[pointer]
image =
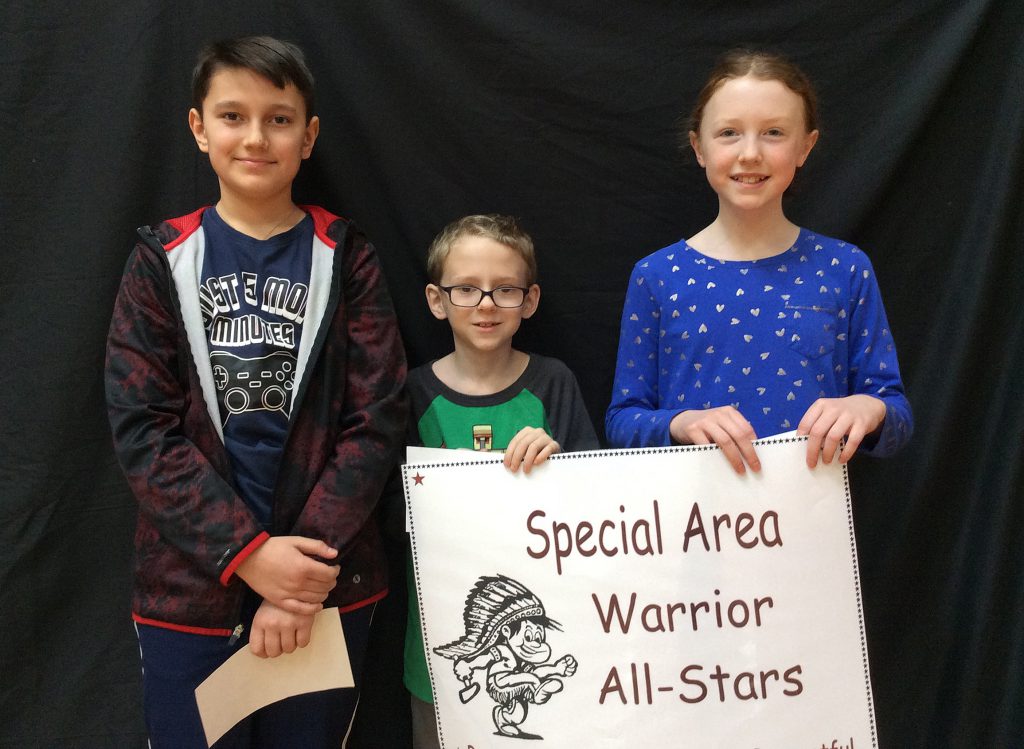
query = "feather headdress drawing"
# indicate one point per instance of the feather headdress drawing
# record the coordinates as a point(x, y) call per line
point(505, 633)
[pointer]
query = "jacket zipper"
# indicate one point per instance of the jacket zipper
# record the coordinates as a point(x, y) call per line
point(334, 299)
point(235, 634)
point(151, 240)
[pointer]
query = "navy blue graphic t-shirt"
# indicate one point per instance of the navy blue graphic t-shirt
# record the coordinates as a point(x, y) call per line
point(253, 296)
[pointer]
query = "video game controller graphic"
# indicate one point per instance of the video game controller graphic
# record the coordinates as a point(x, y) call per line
point(262, 384)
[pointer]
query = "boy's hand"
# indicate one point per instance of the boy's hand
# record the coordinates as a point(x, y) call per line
point(723, 426)
point(530, 447)
point(828, 420)
point(275, 631)
point(283, 571)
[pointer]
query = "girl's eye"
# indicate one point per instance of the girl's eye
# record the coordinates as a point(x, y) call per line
point(728, 133)
point(774, 132)
point(465, 289)
point(281, 120)
point(231, 116)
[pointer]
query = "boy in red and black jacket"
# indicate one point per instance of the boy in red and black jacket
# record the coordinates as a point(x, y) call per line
point(254, 386)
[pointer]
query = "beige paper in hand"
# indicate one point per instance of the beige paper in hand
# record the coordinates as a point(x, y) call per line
point(245, 683)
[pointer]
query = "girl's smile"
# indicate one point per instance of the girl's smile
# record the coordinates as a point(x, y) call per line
point(750, 122)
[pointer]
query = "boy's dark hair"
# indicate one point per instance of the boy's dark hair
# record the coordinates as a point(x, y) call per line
point(279, 62)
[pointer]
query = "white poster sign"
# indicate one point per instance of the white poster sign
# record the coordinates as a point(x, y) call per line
point(642, 598)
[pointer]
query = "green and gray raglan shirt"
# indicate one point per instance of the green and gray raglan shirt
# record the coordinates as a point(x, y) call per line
point(546, 395)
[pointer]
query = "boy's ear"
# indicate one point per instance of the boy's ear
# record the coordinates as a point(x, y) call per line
point(531, 302)
point(195, 124)
point(435, 302)
point(309, 137)
point(695, 145)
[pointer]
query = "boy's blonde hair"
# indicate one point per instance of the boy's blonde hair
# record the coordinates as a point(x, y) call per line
point(502, 229)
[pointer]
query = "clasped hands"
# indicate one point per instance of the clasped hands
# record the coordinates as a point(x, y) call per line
point(293, 585)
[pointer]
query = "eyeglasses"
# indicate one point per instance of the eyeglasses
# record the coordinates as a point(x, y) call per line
point(507, 297)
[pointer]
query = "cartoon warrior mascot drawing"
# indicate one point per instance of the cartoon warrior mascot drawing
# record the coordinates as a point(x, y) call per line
point(506, 631)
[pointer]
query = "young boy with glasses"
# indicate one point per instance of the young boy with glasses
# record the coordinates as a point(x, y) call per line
point(486, 395)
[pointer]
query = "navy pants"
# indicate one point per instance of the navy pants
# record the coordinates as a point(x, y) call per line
point(175, 663)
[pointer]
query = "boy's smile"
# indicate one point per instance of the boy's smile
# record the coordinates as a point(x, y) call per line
point(528, 643)
point(255, 133)
point(486, 264)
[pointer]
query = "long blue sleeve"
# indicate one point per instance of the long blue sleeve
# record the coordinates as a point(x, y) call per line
point(636, 416)
point(873, 367)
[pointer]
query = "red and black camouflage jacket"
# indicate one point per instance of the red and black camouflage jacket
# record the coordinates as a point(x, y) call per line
point(346, 427)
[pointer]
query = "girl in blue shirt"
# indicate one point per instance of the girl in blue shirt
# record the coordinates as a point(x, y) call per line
point(754, 325)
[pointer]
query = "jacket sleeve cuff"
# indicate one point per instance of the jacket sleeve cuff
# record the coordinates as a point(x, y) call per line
point(241, 556)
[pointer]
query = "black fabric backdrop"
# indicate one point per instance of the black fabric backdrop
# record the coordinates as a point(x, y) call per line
point(562, 114)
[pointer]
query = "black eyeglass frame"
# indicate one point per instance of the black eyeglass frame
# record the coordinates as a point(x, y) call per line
point(448, 290)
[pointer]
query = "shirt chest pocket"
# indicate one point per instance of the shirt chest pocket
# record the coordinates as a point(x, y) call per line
point(811, 329)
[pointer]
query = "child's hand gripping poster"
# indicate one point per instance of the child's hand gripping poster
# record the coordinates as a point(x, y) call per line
point(642, 598)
